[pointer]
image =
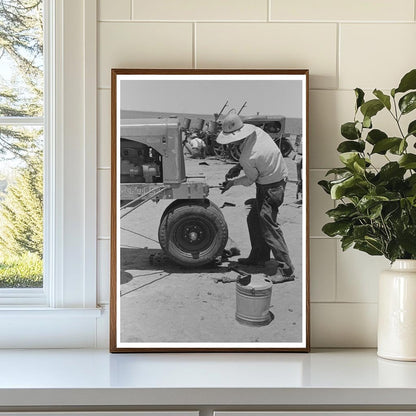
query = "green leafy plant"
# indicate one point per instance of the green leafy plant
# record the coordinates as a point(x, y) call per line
point(376, 210)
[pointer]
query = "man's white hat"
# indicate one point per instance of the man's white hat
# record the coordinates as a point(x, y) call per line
point(233, 129)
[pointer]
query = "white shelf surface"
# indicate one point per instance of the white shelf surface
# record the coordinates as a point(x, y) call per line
point(97, 378)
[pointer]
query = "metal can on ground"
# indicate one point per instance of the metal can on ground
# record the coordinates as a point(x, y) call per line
point(253, 302)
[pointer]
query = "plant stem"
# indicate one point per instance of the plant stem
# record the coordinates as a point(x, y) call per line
point(397, 118)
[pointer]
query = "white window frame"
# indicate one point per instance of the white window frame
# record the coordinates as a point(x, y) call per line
point(64, 313)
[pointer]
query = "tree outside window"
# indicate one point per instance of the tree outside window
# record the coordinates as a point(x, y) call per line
point(21, 143)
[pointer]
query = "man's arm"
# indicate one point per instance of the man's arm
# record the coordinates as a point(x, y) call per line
point(243, 180)
point(250, 174)
point(233, 172)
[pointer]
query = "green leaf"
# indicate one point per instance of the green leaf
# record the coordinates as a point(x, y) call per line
point(408, 102)
point(367, 122)
point(348, 158)
point(375, 212)
point(359, 95)
point(385, 99)
point(346, 242)
point(333, 229)
point(342, 211)
point(350, 186)
point(375, 136)
point(391, 170)
point(407, 240)
point(371, 108)
point(349, 131)
point(385, 144)
point(349, 146)
point(325, 186)
point(338, 171)
point(369, 201)
point(411, 130)
point(411, 180)
point(359, 165)
point(398, 149)
point(368, 248)
point(408, 161)
point(338, 188)
point(361, 231)
point(408, 82)
point(393, 250)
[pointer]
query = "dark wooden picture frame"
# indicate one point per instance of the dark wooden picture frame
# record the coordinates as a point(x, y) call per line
point(176, 285)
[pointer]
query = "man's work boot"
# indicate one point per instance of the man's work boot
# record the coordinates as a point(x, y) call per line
point(250, 261)
point(278, 277)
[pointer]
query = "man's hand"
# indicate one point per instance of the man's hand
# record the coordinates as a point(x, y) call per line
point(225, 186)
point(233, 172)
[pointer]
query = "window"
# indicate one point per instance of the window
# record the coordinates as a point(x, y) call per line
point(21, 143)
point(63, 313)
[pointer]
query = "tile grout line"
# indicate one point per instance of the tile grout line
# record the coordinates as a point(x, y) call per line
point(345, 302)
point(338, 63)
point(336, 272)
point(310, 89)
point(194, 62)
point(269, 11)
point(323, 237)
point(131, 9)
point(307, 22)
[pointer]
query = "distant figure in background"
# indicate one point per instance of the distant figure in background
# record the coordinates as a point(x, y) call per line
point(297, 157)
point(198, 147)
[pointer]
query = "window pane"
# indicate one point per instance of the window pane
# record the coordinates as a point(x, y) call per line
point(21, 58)
point(21, 210)
point(21, 146)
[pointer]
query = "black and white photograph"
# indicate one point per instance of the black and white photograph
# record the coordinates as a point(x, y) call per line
point(209, 211)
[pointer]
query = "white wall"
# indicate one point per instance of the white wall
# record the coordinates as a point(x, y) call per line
point(345, 44)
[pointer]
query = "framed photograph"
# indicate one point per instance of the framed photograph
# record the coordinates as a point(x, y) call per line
point(209, 215)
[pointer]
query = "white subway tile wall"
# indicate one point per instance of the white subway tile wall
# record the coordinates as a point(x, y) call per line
point(114, 10)
point(365, 48)
point(270, 45)
point(345, 44)
point(144, 45)
point(104, 128)
point(343, 325)
point(201, 10)
point(103, 270)
point(322, 269)
point(352, 10)
point(357, 276)
point(104, 202)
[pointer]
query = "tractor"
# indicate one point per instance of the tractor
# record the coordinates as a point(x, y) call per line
point(273, 125)
point(192, 230)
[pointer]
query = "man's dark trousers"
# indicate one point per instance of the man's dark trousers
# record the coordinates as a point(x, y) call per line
point(265, 232)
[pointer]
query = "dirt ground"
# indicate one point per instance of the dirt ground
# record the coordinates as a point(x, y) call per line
point(163, 302)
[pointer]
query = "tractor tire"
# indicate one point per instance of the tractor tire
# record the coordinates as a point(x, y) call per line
point(219, 150)
point(193, 233)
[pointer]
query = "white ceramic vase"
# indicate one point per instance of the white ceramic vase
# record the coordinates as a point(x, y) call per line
point(397, 312)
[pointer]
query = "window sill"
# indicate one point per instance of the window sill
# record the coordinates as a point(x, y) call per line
point(36, 312)
point(40, 327)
